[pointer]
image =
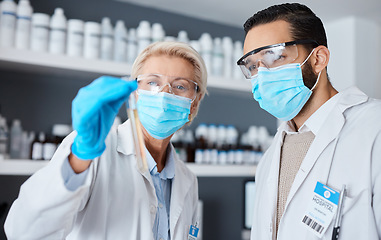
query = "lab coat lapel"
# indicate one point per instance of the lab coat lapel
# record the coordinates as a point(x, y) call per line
point(181, 184)
point(273, 176)
point(327, 135)
point(125, 146)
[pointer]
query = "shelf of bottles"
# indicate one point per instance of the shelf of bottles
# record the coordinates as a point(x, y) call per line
point(41, 42)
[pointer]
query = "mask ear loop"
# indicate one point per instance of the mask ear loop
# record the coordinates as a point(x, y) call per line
point(317, 80)
point(307, 57)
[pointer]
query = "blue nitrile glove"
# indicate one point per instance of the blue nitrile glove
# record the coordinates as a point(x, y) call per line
point(93, 112)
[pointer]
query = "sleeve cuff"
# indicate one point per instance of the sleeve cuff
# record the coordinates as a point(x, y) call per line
point(71, 179)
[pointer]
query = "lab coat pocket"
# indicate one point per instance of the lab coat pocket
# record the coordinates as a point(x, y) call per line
point(349, 202)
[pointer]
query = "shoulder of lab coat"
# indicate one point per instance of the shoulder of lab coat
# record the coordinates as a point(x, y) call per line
point(45, 192)
point(361, 117)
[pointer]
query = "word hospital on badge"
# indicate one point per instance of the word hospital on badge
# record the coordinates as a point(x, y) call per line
point(321, 209)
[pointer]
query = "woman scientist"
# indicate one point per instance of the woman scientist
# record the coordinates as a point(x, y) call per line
point(90, 191)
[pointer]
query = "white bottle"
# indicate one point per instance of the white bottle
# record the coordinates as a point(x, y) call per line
point(120, 42)
point(8, 23)
point(91, 40)
point(132, 46)
point(170, 39)
point(107, 39)
point(74, 46)
point(237, 54)
point(218, 58)
point(158, 33)
point(183, 36)
point(195, 44)
point(16, 139)
point(37, 147)
point(144, 35)
point(4, 138)
point(39, 34)
point(227, 46)
point(207, 50)
point(27, 140)
point(57, 39)
point(24, 20)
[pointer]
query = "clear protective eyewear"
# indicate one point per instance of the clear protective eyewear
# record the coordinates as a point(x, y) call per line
point(270, 56)
point(177, 85)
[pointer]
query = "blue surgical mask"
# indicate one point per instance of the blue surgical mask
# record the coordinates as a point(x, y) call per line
point(281, 90)
point(162, 114)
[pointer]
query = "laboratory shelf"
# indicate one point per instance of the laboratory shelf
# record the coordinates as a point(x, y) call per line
point(28, 167)
point(214, 170)
point(40, 62)
point(20, 166)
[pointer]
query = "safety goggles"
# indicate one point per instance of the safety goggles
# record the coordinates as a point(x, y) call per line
point(177, 85)
point(270, 56)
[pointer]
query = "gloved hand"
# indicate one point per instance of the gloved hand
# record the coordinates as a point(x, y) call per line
point(93, 112)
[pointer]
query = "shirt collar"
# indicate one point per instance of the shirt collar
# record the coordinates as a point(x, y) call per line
point(168, 171)
point(316, 120)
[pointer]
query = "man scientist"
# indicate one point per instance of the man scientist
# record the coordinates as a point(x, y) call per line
point(327, 152)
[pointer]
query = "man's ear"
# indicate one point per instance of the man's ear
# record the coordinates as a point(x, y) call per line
point(321, 59)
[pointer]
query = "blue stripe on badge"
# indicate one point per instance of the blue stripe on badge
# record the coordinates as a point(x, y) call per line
point(327, 193)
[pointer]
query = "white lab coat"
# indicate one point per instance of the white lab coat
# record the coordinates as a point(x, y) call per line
point(350, 140)
point(117, 201)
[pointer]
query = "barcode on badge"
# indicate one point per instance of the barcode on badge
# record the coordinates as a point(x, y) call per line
point(312, 224)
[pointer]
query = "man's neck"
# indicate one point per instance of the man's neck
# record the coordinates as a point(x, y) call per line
point(317, 99)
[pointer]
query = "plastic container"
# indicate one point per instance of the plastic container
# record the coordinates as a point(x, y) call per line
point(132, 46)
point(107, 39)
point(183, 36)
point(158, 33)
point(60, 131)
point(120, 42)
point(227, 46)
point(23, 24)
point(74, 38)
point(237, 54)
point(218, 58)
point(39, 34)
point(144, 35)
point(15, 139)
point(4, 138)
point(57, 39)
point(37, 147)
point(206, 43)
point(7, 23)
point(196, 45)
point(92, 32)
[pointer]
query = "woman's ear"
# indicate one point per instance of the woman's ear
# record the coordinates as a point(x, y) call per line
point(321, 59)
point(195, 104)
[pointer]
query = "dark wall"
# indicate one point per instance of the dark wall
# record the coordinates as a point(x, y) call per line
point(40, 100)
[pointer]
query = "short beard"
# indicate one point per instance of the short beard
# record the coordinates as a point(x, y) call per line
point(309, 80)
point(309, 77)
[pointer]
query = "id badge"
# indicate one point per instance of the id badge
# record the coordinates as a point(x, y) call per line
point(193, 232)
point(321, 209)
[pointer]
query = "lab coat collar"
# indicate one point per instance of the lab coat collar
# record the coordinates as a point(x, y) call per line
point(124, 133)
point(326, 135)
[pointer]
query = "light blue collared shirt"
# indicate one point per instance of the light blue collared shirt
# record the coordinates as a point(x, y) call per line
point(162, 182)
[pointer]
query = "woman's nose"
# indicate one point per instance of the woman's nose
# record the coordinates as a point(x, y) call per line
point(167, 88)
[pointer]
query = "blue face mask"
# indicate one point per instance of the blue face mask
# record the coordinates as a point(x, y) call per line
point(162, 114)
point(281, 90)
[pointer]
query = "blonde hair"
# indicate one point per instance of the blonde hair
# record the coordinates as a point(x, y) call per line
point(175, 49)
